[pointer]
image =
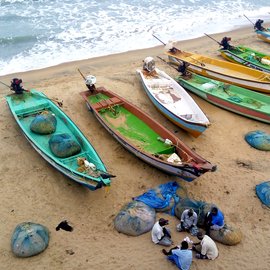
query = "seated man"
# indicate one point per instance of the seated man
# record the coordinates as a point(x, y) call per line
point(214, 220)
point(188, 222)
point(181, 257)
point(225, 43)
point(258, 25)
point(207, 249)
point(183, 69)
point(161, 235)
point(16, 86)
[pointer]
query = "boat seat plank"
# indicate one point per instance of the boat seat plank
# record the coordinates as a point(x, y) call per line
point(107, 103)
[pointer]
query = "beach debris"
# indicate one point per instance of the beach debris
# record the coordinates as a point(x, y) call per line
point(64, 226)
point(258, 139)
point(63, 145)
point(135, 218)
point(29, 239)
point(263, 192)
point(44, 123)
point(70, 251)
point(245, 164)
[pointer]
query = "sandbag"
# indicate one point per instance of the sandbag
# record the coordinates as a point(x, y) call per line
point(227, 235)
point(29, 239)
point(44, 123)
point(162, 198)
point(135, 218)
point(200, 207)
point(258, 139)
point(63, 145)
point(263, 192)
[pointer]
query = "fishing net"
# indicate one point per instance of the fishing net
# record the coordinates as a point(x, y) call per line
point(44, 123)
point(227, 235)
point(29, 239)
point(135, 218)
point(258, 139)
point(63, 145)
point(263, 192)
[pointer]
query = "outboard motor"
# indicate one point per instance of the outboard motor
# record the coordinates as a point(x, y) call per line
point(16, 86)
point(149, 64)
point(90, 82)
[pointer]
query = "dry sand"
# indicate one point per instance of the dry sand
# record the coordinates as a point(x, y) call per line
point(32, 190)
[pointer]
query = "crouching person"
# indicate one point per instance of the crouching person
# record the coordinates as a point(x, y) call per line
point(188, 222)
point(160, 234)
point(206, 249)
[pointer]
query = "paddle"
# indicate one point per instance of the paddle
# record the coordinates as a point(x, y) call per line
point(60, 103)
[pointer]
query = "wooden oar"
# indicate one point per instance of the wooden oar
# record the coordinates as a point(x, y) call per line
point(60, 103)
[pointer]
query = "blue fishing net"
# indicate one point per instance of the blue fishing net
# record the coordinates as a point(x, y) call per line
point(263, 192)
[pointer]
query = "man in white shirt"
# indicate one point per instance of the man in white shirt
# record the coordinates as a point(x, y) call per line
point(188, 222)
point(208, 247)
point(161, 235)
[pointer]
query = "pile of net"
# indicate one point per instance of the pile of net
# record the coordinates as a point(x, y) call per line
point(263, 192)
point(259, 140)
point(29, 239)
point(44, 123)
point(63, 145)
point(135, 218)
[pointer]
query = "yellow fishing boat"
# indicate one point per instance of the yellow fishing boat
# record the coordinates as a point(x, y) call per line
point(222, 70)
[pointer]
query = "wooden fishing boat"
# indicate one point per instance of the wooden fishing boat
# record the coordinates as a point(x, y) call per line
point(222, 70)
point(230, 97)
point(143, 136)
point(173, 101)
point(263, 35)
point(247, 57)
point(26, 107)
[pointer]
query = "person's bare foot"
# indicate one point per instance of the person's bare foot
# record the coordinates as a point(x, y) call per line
point(164, 251)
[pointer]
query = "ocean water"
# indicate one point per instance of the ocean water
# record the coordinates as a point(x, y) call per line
point(40, 33)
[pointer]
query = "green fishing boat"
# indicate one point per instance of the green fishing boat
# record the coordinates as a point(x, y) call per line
point(143, 136)
point(228, 96)
point(57, 139)
point(247, 57)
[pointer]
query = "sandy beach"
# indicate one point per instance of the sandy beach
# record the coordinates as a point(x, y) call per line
point(32, 190)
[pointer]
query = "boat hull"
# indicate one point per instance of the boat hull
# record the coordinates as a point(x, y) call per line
point(232, 57)
point(24, 110)
point(187, 172)
point(224, 71)
point(238, 100)
point(192, 127)
point(265, 36)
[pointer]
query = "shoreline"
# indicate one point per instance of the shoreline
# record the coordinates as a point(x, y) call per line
point(65, 65)
point(34, 191)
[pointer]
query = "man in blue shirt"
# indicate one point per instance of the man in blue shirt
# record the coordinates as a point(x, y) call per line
point(181, 257)
point(214, 220)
